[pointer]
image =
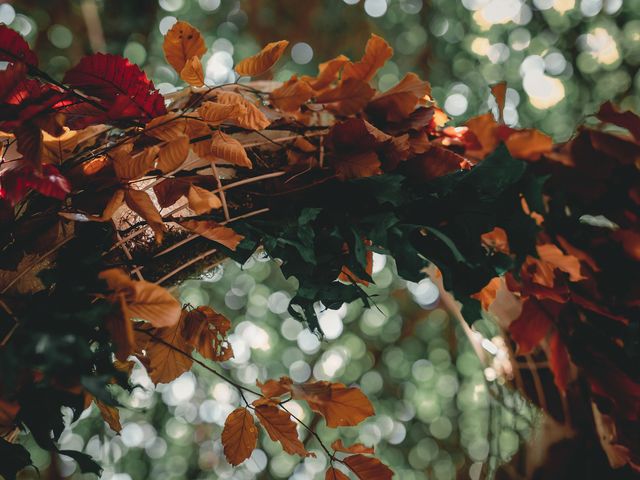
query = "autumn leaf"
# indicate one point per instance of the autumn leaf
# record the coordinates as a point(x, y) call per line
point(140, 202)
point(214, 231)
point(368, 468)
point(173, 153)
point(170, 190)
point(488, 294)
point(567, 263)
point(143, 300)
point(131, 167)
point(376, 54)
point(280, 428)
point(291, 95)
point(247, 114)
point(239, 436)
point(341, 406)
point(499, 92)
point(192, 72)
point(17, 182)
point(15, 48)
point(205, 330)
point(263, 60)
point(531, 326)
point(349, 97)
point(114, 203)
point(56, 149)
point(338, 446)
point(435, 162)
point(215, 113)
point(398, 102)
point(110, 415)
point(202, 201)
point(228, 149)
point(559, 362)
point(496, 240)
point(335, 474)
point(166, 127)
point(611, 114)
point(327, 73)
point(275, 388)
point(181, 43)
point(529, 144)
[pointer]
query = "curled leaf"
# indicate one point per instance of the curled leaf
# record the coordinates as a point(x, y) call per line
point(202, 201)
point(263, 60)
point(214, 231)
point(280, 428)
point(192, 72)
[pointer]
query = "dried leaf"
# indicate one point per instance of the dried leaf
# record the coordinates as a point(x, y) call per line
point(368, 468)
point(110, 415)
point(335, 474)
point(488, 294)
point(357, 165)
point(376, 54)
point(529, 144)
point(263, 60)
point(275, 388)
point(206, 330)
point(166, 127)
point(291, 95)
point(128, 167)
point(173, 153)
point(215, 113)
point(239, 436)
point(499, 92)
point(192, 72)
point(280, 428)
point(181, 43)
point(214, 231)
point(338, 446)
point(202, 201)
point(141, 203)
point(247, 114)
point(327, 73)
point(530, 327)
point(349, 97)
point(567, 263)
point(56, 149)
point(398, 102)
point(230, 150)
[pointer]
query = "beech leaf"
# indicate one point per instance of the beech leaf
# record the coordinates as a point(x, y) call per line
point(229, 150)
point(239, 436)
point(192, 72)
point(263, 60)
point(214, 231)
point(181, 43)
point(173, 153)
point(376, 54)
point(141, 203)
point(368, 468)
point(281, 428)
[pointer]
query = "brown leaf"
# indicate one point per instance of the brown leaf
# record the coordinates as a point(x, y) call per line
point(338, 446)
point(215, 113)
point(169, 191)
point(56, 149)
point(496, 240)
point(128, 167)
point(499, 92)
point(349, 97)
point(166, 127)
point(275, 388)
point(368, 468)
point(110, 415)
point(239, 436)
point(436, 162)
point(484, 127)
point(143, 300)
point(214, 231)
point(376, 54)
point(357, 165)
point(247, 114)
point(327, 73)
point(335, 474)
point(141, 203)
point(120, 328)
point(173, 154)
point(531, 326)
point(181, 43)
point(202, 201)
point(559, 362)
point(280, 428)
point(529, 144)
point(291, 95)
point(341, 406)
point(192, 72)
point(206, 330)
point(567, 263)
point(230, 150)
point(263, 60)
point(398, 102)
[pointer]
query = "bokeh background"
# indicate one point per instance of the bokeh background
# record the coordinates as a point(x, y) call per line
point(440, 414)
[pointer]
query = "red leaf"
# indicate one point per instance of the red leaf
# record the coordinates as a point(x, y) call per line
point(531, 326)
point(113, 79)
point(16, 183)
point(14, 48)
point(559, 362)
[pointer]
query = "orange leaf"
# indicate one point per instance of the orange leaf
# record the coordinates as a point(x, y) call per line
point(496, 240)
point(630, 241)
point(247, 114)
point(109, 414)
point(349, 97)
point(487, 295)
point(205, 330)
point(485, 128)
point(398, 102)
point(181, 43)
point(275, 388)
point(215, 113)
point(529, 144)
point(567, 263)
point(239, 436)
point(327, 73)
point(499, 92)
point(368, 468)
point(214, 231)
point(338, 446)
point(280, 428)
point(531, 326)
point(357, 165)
point(436, 162)
point(291, 95)
point(230, 150)
point(128, 167)
point(192, 72)
point(166, 127)
point(263, 60)
point(141, 203)
point(339, 405)
point(202, 201)
point(376, 54)
point(335, 474)
point(173, 153)
point(559, 362)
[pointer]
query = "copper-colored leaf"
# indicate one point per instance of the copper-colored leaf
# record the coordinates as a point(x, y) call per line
point(349, 97)
point(529, 144)
point(206, 330)
point(202, 201)
point(214, 231)
point(215, 113)
point(166, 127)
point(559, 362)
point(357, 165)
point(192, 72)
point(56, 149)
point(496, 240)
point(141, 203)
point(338, 446)
point(229, 150)
point(239, 436)
point(247, 114)
point(181, 43)
point(531, 326)
point(114, 203)
point(567, 263)
point(263, 60)
point(327, 73)
point(173, 153)
point(110, 415)
point(376, 54)
point(169, 191)
point(341, 406)
point(291, 95)
point(487, 295)
point(275, 388)
point(499, 92)
point(368, 468)
point(280, 428)
point(131, 167)
point(335, 474)
point(398, 102)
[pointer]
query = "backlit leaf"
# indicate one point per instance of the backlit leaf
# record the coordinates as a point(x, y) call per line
point(214, 231)
point(338, 446)
point(280, 428)
point(247, 114)
point(202, 201)
point(398, 102)
point(192, 72)
point(215, 113)
point(291, 95)
point(173, 154)
point(263, 60)
point(239, 436)
point(368, 468)
point(349, 97)
point(229, 150)
point(181, 43)
point(335, 474)
point(376, 54)
point(141, 203)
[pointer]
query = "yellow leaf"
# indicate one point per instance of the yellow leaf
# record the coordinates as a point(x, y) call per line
point(192, 72)
point(247, 115)
point(57, 149)
point(141, 203)
point(376, 54)
point(368, 468)
point(214, 113)
point(239, 436)
point(229, 150)
point(349, 97)
point(173, 154)
point(280, 428)
point(263, 60)
point(291, 95)
point(214, 231)
point(202, 201)
point(398, 102)
point(181, 43)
